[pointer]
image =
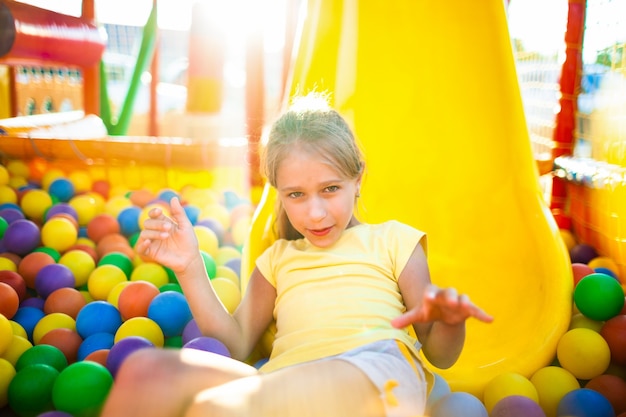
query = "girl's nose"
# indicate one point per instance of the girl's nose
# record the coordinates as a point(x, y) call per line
point(317, 208)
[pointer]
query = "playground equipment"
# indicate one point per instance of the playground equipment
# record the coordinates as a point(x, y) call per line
point(447, 151)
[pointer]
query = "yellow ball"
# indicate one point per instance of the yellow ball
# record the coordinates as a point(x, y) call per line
point(35, 202)
point(49, 176)
point(552, 383)
point(150, 272)
point(584, 353)
point(7, 195)
point(116, 204)
point(568, 238)
point(4, 175)
point(579, 320)
point(604, 262)
point(7, 265)
point(207, 240)
point(114, 295)
point(81, 180)
point(17, 182)
point(7, 372)
point(228, 273)
point(6, 334)
point(215, 211)
point(228, 293)
point(18, 330)
point(50, 322)
point(59, 233)
point(143, 327)
point(86, 241)
point(18, 168)
point(17, 346)
point(507, 384)
point(86, 207)
point(102, 280)
point(80, 263)
point(225, 254)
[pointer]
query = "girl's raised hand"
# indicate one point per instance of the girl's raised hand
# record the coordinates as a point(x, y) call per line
point(444, 305)
point(172, 242)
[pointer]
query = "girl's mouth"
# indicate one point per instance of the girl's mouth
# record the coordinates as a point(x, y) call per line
point(320, 232)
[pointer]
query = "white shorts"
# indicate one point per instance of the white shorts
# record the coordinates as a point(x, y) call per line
point(397, 374)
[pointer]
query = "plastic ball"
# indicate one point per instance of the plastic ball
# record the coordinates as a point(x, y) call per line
point(96, 341)
point(50, 175)
point(11, 214)
point(63, 209)
point(141, 198)
point(86, 207)
point(62, 189)
point(55, 413)
point(585, 402)
point(582, 253)
point(42, 354)
point(580, 320)
point(52, 277)
point(141, 326)
point(31, 264)
point(209, 264)
point(507, 384)
point(80, 263)
point(217, 212)
point(440, 389)
point(458, 404)
point(65, 300)
point(225, 254)
point(584, 353)
point(101, 225)
point(30, 390)
point(150, 272)
point(120, 260)
point(81, 389)
point(66, 340)
point(128, 220)
point(59, 233)
point(235, 265)
point(192, 213)
point(98, 317)
point(7, 264)
point(21, 237)
point(17, 347)
point(208, 344)
point(614, 333)
point(102, 280)
point(7, 194)
point(517, 406)
point(170, 311)
point(120, 351)
point(228, 293)
point(6, 333)
point(568, 238)
point(9, 300)
point(102, 187)
point(50, 322)
point(7, 373)
point(134, 300)
point(613, 388)
point(207, 240)
point(82, 180)
point(99, 356)
point(599, 296)
point(27, 317)
point(3, 226)
point(15, 280)
point(226, 272)
point(552, 383)
point(114, 294)
point(214, 225)
point(34, 203)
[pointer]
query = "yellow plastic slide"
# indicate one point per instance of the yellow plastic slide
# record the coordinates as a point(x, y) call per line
point(431, 90)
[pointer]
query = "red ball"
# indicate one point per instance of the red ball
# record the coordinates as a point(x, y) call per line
point(614, 332)
point(9, 300)
point(135, 298)
point(580, 271)
point(65, 300)
point(99, 356)
point(16, 281)
point(613, 388)
point(31, 264)
point(66, 340)
point(102, 187)
point(102, 225)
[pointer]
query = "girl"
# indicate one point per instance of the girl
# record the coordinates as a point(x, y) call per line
point(341, 292)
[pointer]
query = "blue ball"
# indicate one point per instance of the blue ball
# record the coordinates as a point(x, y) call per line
point(167, 195)
point(28, 317)
point(584, 402)
point(458, 404)
point(128, 219)
point(96, 341)
point(98, 317)
point(62, 189)
point(192, 213)
point(171, 312)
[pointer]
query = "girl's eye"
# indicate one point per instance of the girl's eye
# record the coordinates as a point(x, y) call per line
point(295, 194)
point(331, 188)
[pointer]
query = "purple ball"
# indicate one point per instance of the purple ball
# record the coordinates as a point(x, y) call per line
point(52, 277)
point(22, 237)
point(61, 208)
point(208, 344)
point(36, 302)
point(235, 265)
point(517, 406)
point(582, 253)
point(191, 331)
point(120, 351)
point(55, 413)
point(11, 214)
point(214, 225)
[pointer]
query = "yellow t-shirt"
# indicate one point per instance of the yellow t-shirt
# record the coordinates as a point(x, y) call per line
point(331, 300)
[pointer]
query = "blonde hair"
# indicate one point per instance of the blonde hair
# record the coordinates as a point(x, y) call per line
point(312, 125)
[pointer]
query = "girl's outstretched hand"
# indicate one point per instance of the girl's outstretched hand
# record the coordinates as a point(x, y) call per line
point(443, 305)
point(171, 242)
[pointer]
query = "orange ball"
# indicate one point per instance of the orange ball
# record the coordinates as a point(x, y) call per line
point(102, 187)
point(135, 299)
point(114, 242)
point(9, 300)
point(99, 356)
point(613, 388)
point(16, 281)
point(142, 198)
point(66, 340)
point(31, 264)
point(65, 300)
point(102, 225)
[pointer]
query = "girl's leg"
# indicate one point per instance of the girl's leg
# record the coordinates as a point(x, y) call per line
point(332, 388)
point(162, 382)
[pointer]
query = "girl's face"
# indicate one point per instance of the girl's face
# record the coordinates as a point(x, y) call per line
point(317, 200)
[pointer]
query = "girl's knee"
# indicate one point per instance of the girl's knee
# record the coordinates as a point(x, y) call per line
point(145, 366)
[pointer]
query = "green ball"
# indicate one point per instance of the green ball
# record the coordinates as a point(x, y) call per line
point(3, 226)
point(82, 388)
point(209, 264)
point(50, 251)
point(171, 287)
point(30, 390)
point(599, 296)
point(42, 354)
point(175, 342)
point(120, 260)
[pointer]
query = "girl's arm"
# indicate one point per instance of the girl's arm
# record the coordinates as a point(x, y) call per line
point(172, 242)
point(438, 315)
